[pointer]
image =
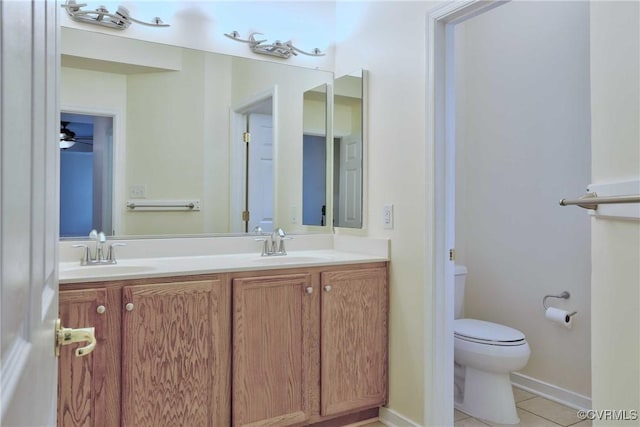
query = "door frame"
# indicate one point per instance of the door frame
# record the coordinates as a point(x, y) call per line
point(440, 196)
point(119, 192)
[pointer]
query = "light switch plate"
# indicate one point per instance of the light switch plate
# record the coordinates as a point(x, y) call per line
point(387, 216)
point(137, 191)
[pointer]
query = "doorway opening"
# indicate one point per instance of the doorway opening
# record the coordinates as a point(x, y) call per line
point(533, 139)
point(86, 175)
point(314, 179)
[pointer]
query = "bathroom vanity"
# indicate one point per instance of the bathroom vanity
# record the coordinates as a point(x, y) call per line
point(279, 342)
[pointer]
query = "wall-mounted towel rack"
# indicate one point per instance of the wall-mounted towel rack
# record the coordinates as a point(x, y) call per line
point(163, 205)
point(592, 200)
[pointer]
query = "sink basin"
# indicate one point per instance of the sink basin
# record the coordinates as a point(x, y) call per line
point(104, 270)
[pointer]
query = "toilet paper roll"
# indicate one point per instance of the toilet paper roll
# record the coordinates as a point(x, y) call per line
point(559, 316)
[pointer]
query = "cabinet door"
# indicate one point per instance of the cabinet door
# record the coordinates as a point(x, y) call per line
point(81, 380)
point(353, 352)
point(271, 357)
point(175, 361)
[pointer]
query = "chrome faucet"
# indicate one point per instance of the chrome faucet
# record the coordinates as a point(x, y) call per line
point(273, 244)
point(97, 257)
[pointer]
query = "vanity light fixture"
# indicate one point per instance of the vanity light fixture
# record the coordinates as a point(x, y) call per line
point(119, 20)
point(277, 48)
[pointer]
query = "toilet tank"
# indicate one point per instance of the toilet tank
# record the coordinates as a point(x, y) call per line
point(460, 278)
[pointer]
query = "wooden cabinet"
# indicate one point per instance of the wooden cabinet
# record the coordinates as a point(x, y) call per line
point(81, 396)
point(164, 359)
point(175, 346)
point(309, 347)
point(300, 346)
point(271, 360)
point(354, 313)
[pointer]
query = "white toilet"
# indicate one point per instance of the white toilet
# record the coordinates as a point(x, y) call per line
point(485, 354)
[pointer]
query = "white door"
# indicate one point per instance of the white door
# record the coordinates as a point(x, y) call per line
point(29, 121)
point(261, 172)
point(350, 189)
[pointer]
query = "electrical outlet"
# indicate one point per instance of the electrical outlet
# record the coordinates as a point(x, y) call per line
point(387, 216)
point(138, 191)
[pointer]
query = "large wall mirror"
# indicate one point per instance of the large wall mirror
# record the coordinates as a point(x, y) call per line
point(164, 126)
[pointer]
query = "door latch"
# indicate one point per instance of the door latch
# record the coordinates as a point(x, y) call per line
point(65, 336)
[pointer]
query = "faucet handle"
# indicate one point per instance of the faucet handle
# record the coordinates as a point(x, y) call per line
point(265, 245)
point(86, 256)
point(93, 234)
point(100, 240)
point(282, 236)
point(111, 256)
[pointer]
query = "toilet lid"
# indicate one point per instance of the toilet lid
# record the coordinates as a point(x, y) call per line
point(488, 332)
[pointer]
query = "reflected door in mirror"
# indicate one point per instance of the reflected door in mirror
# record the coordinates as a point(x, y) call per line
point(348, 112)
point(260, 172)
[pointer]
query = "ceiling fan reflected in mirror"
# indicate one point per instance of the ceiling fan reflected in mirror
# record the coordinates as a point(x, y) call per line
point(67, 137)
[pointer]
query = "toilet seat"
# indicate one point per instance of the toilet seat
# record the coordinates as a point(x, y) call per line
point(487, 333)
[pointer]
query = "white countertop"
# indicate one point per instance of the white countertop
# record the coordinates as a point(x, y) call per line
point(344, 251)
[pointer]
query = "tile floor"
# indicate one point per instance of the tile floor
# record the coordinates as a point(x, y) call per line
point(534, 411)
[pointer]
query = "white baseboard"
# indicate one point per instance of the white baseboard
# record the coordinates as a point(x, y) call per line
point(391, 418)
point(550, 391)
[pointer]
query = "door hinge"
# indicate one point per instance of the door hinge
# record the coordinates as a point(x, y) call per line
point(245, 215)
point(246, 137)
point(452, 254)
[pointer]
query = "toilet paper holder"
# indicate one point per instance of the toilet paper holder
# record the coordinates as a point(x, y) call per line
point(563, 295)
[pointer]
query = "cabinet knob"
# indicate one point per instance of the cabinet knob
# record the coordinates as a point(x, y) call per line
point(101, 309)
point(129, 306)
point(309, 290)
point(328, 288)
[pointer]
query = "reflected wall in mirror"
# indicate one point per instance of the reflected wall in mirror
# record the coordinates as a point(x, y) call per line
point(173, 134)
point(314, 157)
point(348, 113)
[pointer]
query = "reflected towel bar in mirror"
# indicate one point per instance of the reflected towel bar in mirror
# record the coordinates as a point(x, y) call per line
point(164, 205)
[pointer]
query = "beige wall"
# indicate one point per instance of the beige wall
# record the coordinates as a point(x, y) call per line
point(388, 39)
point(615, 249)
point(522, 144)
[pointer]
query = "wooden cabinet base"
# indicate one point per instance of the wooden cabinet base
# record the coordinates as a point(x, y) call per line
point(296, 347)
point(345, 420)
